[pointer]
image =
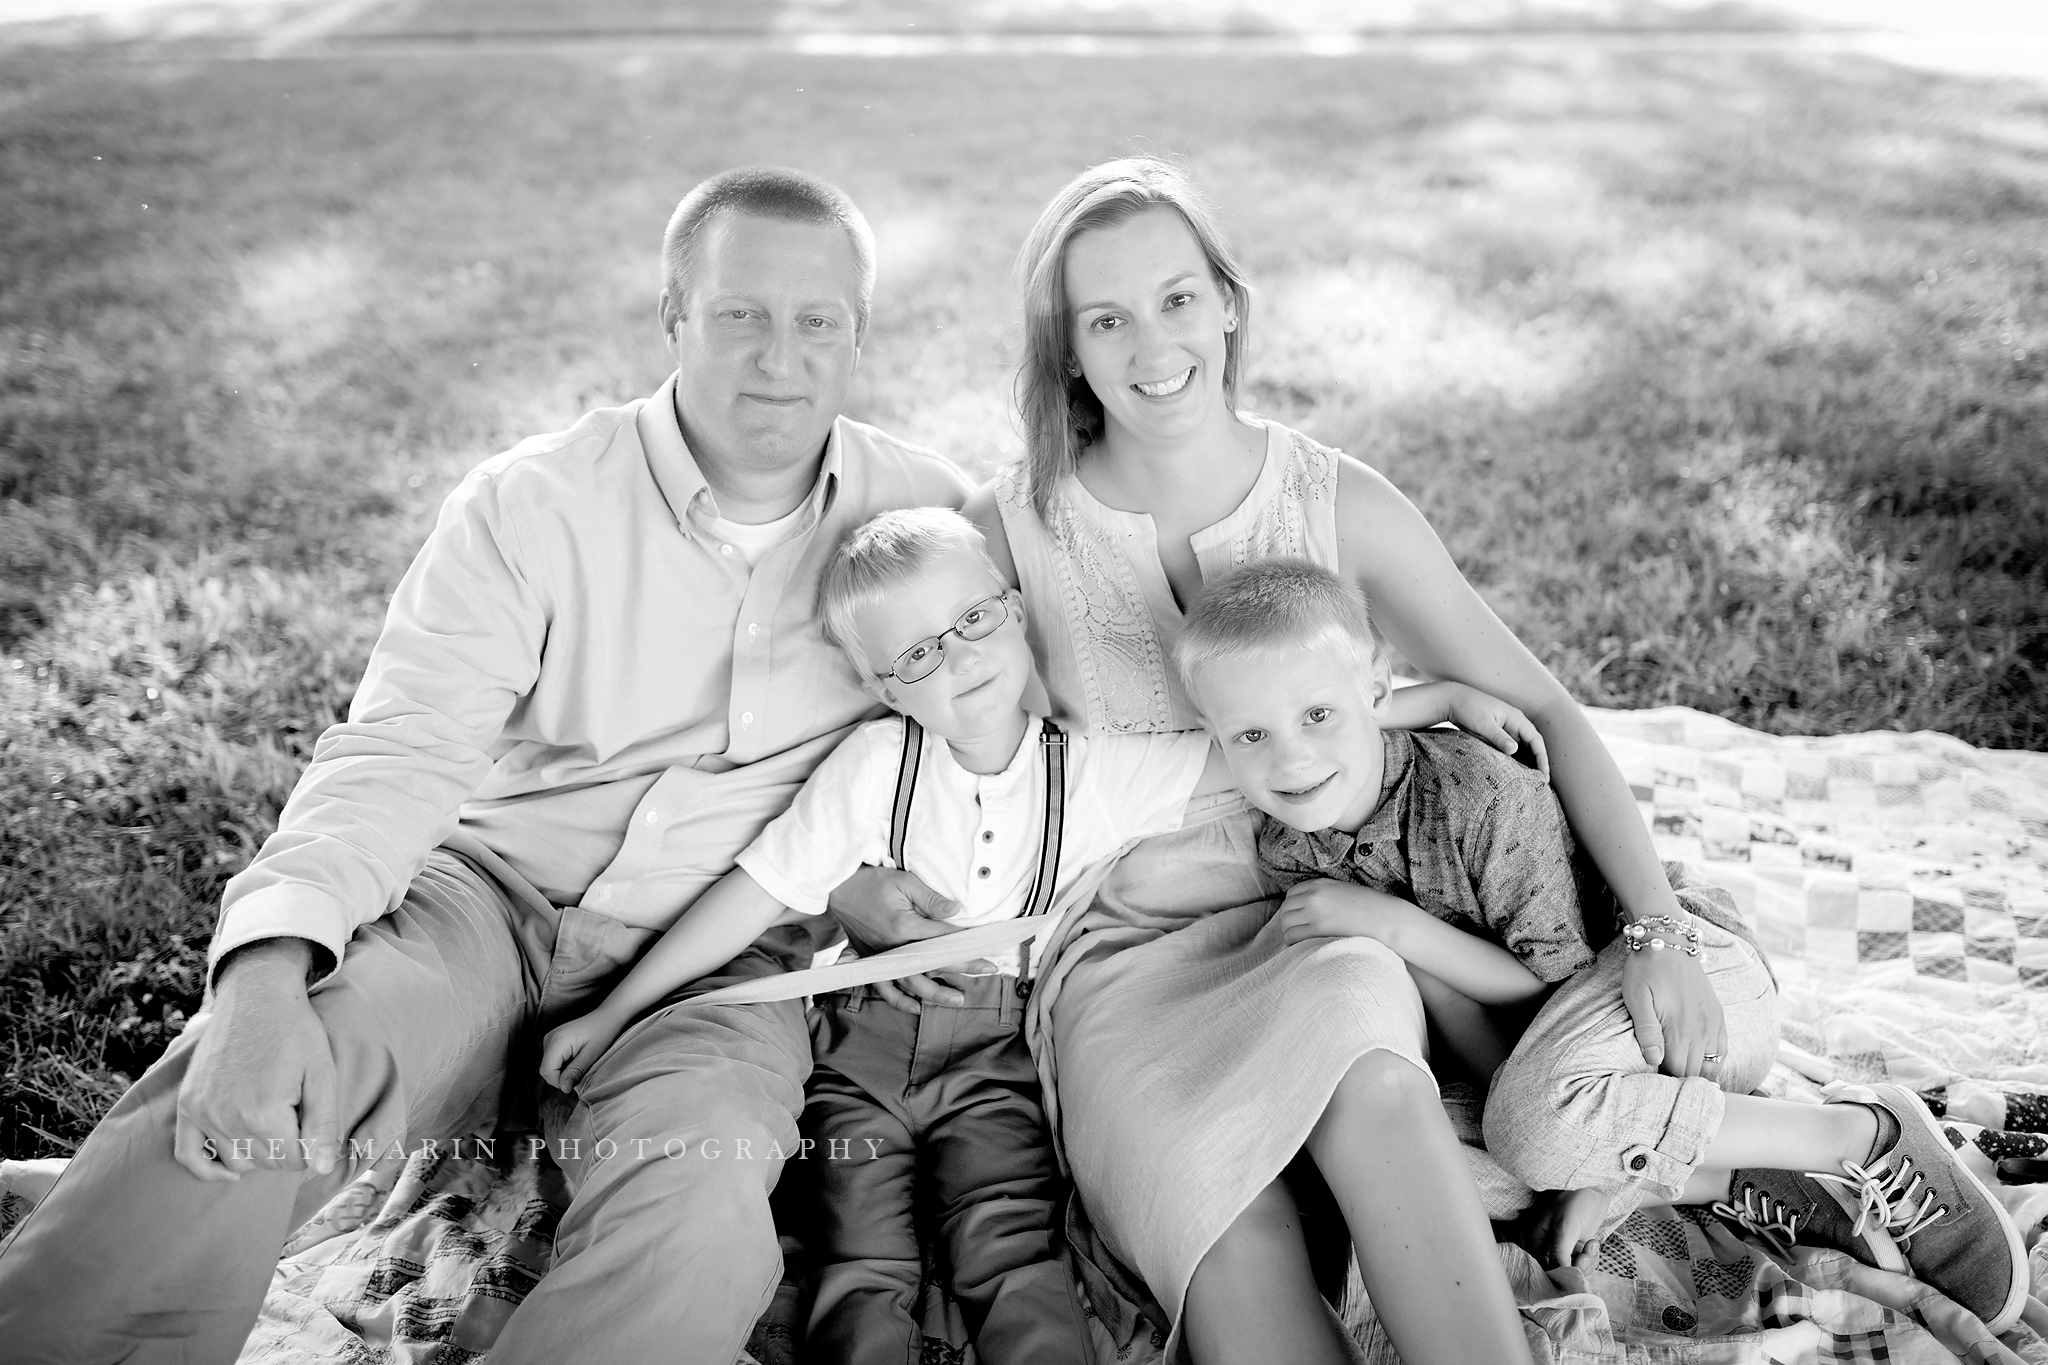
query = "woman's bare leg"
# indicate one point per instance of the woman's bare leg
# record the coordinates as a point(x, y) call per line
point(1254, 1298)
point(1425, 1248)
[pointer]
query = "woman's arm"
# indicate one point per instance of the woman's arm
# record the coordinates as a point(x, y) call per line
point(1424, 606)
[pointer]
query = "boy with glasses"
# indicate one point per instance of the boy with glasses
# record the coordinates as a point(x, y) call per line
point(998, 809)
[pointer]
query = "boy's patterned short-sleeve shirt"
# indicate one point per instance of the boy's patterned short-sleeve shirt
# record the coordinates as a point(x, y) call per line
point(1479, 841)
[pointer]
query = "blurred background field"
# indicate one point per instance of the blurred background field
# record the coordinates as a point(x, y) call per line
point(1718, 364)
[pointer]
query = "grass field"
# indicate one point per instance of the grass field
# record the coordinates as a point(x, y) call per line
point(1721, 374)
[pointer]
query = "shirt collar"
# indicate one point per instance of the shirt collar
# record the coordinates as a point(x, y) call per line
point(1022, 764)
point(1388, 818)
point(682, 483)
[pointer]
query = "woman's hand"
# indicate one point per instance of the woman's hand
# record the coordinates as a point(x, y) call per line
point(573, 1048)
point(1332, 909)
point(882, 908)
point(1485, 716)
point(1677, 1017)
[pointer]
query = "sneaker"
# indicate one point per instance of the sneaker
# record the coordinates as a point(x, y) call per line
point(1787, 1207)
point(1954, 1232)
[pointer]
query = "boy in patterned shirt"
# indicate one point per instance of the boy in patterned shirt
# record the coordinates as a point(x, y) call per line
point(1460, 860)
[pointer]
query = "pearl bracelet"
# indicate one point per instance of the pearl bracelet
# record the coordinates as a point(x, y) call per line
point(1684, 935)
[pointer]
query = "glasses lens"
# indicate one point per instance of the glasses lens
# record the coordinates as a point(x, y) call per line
point(920, 661)
point(981, 619)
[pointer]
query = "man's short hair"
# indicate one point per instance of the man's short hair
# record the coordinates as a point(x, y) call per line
point(881, 553)
point(1272, 605)
point(777, 192)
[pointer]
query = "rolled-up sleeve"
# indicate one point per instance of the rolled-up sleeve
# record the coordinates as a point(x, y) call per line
point(461, 645)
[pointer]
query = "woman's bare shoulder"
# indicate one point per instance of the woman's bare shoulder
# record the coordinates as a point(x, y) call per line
point(1369, 506)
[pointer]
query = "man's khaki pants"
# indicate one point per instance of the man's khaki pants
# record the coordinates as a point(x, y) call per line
point(132, 1258)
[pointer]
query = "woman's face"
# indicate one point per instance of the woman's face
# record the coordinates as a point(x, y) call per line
point(1148, 324)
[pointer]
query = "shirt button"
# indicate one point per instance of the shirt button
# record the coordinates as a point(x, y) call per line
point(752, 631)
point(1638, 1161)
point(653, 816)
point(746, 717)
point(988, 836)
point(725, 549)
point(983, 872)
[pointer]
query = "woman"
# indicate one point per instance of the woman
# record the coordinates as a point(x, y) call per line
point(1194, 1053)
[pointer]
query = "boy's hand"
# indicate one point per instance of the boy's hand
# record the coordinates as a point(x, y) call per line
point(1487, 717)
point(1331, 909)
point(573, 1048)
point(1677, 1017)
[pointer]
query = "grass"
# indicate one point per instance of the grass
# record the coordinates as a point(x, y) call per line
point(1721, 373)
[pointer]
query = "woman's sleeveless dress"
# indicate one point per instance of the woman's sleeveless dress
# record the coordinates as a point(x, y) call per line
point(1191, 1050)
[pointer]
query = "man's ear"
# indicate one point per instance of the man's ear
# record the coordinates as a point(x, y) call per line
point(669, 318)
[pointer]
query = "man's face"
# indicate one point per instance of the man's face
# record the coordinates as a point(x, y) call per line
point(1300, 731)
point(766, 342)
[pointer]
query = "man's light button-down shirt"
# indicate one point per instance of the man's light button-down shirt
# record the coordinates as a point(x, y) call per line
point(563, 672)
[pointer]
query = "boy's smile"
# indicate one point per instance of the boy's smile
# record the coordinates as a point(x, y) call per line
point(1300, 731)
point(973, 698)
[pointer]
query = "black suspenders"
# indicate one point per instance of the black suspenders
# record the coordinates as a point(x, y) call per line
point(1052, 751)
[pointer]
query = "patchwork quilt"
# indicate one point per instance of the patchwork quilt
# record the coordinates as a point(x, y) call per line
point(1899, 883)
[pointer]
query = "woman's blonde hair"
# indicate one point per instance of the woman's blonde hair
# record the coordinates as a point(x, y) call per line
point(1062, 416)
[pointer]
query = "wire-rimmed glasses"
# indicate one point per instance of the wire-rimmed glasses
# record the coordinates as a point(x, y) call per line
point(922, 659)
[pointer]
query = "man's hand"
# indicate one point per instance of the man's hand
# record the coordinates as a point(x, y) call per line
point(260, 1091)
point(1677, 1017)
point(573, 1048)
point(882, 908)
point(1333, 909)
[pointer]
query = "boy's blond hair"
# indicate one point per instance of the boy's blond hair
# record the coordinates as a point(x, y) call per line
point(1271, 605)
point(880, 553)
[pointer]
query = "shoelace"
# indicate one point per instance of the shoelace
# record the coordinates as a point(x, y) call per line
point(1889, 1195)
point(1771, 1219)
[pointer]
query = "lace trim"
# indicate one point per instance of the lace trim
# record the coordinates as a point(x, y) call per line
point(1308, 486)
point(1110, 633)
point(1116, 641)
point(1119, 656)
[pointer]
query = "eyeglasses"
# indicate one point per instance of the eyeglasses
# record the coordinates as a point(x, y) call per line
point(922, 659)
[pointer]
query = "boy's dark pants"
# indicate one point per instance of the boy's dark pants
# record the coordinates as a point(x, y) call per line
point(943, 1105)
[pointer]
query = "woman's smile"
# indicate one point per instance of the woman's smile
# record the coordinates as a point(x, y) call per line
point(1166, 388)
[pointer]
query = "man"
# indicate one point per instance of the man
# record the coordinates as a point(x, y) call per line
point(599, 679)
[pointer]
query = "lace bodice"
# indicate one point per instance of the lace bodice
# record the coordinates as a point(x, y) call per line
point(1101, 614)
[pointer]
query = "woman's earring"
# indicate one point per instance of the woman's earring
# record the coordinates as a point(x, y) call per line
point(1073, 369)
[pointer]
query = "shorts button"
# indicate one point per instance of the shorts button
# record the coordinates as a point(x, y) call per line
point(1638, 1161)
